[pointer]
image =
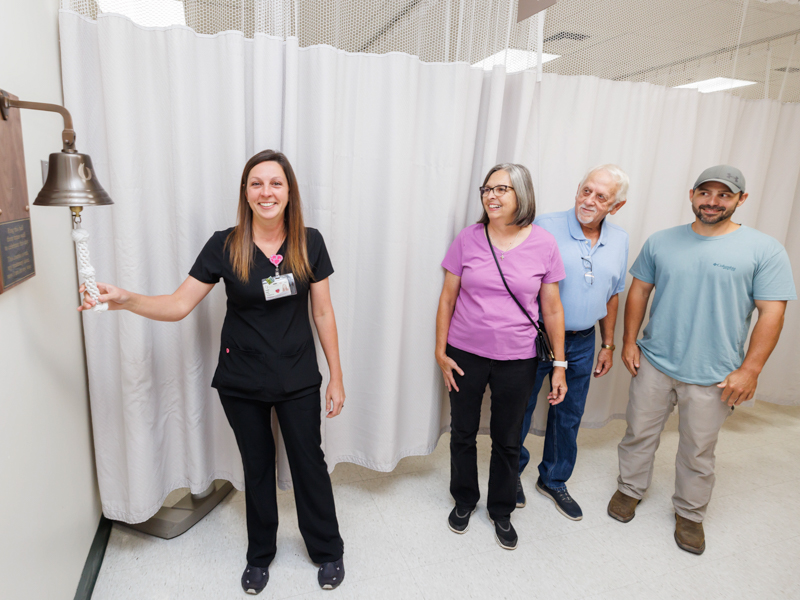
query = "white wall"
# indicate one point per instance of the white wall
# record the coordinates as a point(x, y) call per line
point(49, 503)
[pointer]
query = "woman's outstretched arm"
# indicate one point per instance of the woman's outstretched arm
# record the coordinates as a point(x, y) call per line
point(172, 307)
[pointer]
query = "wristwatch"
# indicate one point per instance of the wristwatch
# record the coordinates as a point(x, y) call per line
point(611, 347)
point(560, 363)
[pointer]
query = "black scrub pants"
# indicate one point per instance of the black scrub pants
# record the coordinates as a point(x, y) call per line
point(316, 514)
point(511, 383)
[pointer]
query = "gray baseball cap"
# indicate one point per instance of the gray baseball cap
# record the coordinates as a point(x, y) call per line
point(730, 176)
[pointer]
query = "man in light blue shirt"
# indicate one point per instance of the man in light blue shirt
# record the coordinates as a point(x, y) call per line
point(708, 279)
point(595, 256)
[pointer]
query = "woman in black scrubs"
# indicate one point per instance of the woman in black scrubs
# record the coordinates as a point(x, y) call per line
point(270, 263)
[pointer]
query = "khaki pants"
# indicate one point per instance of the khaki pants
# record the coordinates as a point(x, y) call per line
point(652, 397)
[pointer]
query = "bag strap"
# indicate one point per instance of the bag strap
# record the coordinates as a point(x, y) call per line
point(522, 308)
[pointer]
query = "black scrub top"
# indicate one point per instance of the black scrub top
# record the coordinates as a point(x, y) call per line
point(267, 351)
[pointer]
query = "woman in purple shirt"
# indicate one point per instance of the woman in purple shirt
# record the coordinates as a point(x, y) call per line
point(482, 337)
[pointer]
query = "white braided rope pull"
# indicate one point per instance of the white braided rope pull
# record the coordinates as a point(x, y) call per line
point(86, 270)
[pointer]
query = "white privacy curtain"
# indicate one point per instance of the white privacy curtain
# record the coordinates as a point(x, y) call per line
point(389, 152)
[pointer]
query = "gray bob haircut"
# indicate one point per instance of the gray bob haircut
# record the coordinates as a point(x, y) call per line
point(618, 175)
point(523, 186)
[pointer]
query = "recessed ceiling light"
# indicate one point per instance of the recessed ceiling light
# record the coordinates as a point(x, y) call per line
point(717, 84)
point(516, 60)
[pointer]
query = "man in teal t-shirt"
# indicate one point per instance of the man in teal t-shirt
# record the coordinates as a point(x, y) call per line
point(708, 278)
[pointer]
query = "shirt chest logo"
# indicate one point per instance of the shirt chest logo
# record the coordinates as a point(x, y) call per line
point(721, 266)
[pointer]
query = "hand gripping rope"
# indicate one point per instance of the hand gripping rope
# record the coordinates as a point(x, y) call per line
point(81, 238)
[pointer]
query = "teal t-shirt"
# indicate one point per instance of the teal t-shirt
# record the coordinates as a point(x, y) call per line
point(704, 295)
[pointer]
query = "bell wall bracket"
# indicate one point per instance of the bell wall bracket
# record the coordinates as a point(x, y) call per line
point(67, 136)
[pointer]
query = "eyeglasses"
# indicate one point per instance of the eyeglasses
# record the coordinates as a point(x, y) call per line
point(587, 264)
point(499, 190)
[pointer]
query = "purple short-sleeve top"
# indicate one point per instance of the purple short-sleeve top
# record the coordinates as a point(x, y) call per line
point(486, 320)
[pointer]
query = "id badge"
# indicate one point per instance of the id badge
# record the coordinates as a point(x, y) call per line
point(279, 286)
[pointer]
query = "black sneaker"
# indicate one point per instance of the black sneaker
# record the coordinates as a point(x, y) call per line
point(520, 494)
point(254, 579)
point(458, 521)
point(330, 574)
point(504, 534)
point(565, 504)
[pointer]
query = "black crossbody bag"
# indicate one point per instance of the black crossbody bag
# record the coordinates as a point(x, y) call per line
point(544, 349)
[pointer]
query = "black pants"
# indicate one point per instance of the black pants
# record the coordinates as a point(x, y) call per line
point(316, 515)
point(511, 382)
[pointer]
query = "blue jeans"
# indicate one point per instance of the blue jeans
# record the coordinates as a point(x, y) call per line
point(563, 420)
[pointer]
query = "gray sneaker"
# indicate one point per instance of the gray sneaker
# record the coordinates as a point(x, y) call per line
point(458, 521)
point(505, 534)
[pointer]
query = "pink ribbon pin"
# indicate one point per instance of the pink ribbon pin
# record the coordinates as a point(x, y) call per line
point(276, 259)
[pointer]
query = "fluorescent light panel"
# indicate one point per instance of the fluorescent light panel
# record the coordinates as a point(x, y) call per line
point(517, 60)
point(717, 84)
point(149, 13)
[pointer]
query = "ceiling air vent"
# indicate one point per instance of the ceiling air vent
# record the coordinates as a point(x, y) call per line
point(791, 69)
point(566, 35)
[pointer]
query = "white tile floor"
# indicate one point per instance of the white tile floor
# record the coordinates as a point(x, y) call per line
point(398, 544)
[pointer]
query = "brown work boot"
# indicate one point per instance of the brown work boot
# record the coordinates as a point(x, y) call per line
point(622, 507)
point(689, 535)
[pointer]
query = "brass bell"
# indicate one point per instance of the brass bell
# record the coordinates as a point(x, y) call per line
point(71, 181)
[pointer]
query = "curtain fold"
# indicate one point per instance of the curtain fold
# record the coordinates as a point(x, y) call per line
point(383, 146)
point(389, 152)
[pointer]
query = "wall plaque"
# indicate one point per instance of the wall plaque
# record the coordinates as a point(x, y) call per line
point(16, 252)
point(16, 245)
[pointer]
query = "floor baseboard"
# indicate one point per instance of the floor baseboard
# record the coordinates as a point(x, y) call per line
point(94, 561)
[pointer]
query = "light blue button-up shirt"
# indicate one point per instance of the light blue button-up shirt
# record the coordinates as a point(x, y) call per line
point(585, 303)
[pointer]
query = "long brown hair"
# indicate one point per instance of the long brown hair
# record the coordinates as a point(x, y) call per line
point(240, 240)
